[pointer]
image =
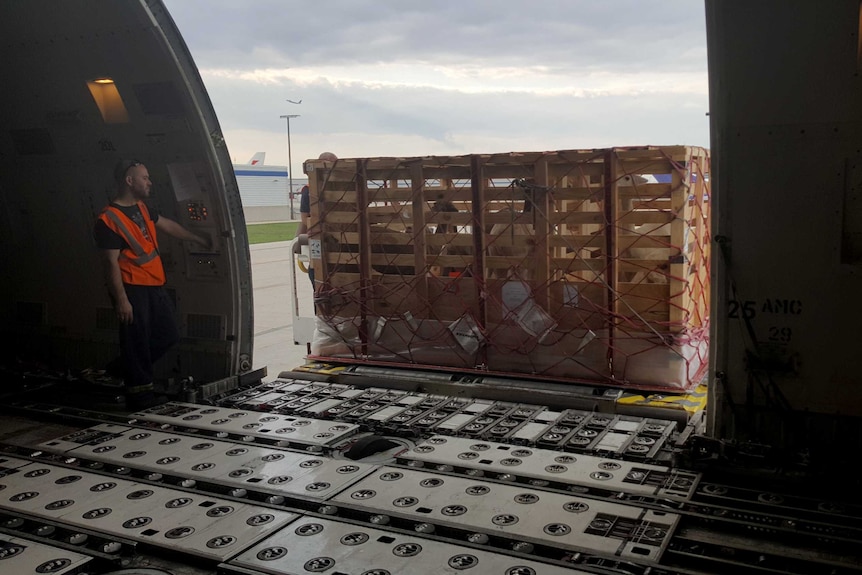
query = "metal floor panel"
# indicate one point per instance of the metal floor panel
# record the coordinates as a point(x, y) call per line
point(91, 435)
point(300, 430)
point(10, 465)
point(147, 449)
point(387, 412)
point(479, 406)
point(191, 523)
point(291, 386)
point(321, 406)
point(224, 535)
point(312, 545)
point(52, 492)
point(251, 400)
point(311, 477)
point(266, 469)
point(455, 422)
point(24, 557)
point(513, 511)
point(552, 466)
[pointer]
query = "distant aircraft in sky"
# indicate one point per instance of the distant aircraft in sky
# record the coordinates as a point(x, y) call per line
point(257, 159)
point(292, 102)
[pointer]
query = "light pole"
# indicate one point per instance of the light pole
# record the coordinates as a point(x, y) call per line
point(289, 162)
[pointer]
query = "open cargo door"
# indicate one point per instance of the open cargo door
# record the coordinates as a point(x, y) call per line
point(786, 151)
point(85, 85)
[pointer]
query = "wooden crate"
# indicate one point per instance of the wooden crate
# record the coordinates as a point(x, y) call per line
point(576, 264)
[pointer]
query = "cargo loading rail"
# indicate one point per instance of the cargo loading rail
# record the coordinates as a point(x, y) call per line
point(427, 490)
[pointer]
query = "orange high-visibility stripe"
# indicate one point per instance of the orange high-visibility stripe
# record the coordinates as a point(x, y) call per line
point(140, 262)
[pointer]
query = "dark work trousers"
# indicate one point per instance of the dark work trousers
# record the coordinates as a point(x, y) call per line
point(151, 334)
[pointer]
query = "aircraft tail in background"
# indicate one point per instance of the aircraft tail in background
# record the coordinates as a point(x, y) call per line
point(257, 159)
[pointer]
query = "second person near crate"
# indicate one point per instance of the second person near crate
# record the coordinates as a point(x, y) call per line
point(305, 215)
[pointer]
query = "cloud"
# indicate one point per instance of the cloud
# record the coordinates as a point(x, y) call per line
point(402, 77)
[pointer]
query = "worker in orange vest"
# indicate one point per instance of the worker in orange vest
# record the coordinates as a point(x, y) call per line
point(126, 235)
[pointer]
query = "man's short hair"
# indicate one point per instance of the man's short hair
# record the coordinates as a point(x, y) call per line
point(327, 157)
point(122, 169)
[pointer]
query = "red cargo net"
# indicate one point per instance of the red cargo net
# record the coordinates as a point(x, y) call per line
point(577, 265)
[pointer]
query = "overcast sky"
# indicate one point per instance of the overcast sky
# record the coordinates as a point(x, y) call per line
point(449, 77)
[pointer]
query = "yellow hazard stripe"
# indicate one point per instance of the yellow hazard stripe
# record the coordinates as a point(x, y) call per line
point(691, 402)
point(324, 368)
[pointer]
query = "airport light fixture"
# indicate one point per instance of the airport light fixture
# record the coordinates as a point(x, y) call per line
point(289, 162)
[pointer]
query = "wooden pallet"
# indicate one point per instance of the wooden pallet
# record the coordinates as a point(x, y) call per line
point(614, 241)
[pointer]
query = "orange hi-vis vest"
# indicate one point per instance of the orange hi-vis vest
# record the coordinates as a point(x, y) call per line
point(140, 262)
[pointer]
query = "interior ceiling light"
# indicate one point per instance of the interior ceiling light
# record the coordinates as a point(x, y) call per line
point(107, 97)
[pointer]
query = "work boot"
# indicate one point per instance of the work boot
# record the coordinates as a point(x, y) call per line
point(100, 378)
point(141, 397)
point(115, 368)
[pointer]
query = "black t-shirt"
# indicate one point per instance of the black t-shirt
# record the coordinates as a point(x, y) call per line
point(107, 239)
point(304, 201)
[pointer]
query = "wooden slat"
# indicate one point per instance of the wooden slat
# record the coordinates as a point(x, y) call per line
point(637, 265)
point(341, 217)
point(645, 310)
point(577, 193)
point(451, 218)
point(580, 264)
point(449, 239)
point(640, 218)
point(380, 237)
point(388, 209)
point(335, 187)
point(672, 152)
point(645, 191)
point(342, 280)
point(390, 195)
point(508, 171)
point(575, 218)
point(625, 242)
point(507, 240)
point(341, 258)
point(645, 165)
point(576, 170)
point(385, 218)
point(430, 193)
point(576, 242)
point(652, 204)
point(643, 301)
point(680, 300)
point(398, 240)
point(447, 261)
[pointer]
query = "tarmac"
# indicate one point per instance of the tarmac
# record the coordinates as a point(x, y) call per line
point(274, 296)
